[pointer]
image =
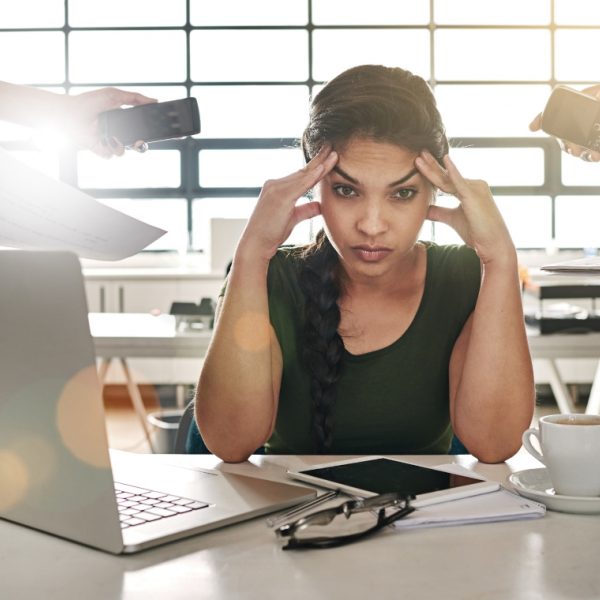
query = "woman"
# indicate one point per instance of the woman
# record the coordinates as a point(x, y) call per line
point(369, 341)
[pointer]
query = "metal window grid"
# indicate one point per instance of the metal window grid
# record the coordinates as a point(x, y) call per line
point(190, 188)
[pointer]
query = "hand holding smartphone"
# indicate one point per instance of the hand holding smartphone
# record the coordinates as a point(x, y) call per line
point(574, 117)
point(150, 122)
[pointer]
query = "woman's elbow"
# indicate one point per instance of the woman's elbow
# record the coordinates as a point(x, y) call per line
point(492, 453)
point(232, 456)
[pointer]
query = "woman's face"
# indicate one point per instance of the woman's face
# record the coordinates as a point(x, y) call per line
point(374, 203)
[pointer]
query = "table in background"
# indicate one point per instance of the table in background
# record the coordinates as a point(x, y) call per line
point(552, 558)
point(119, 336)
point(550, 347)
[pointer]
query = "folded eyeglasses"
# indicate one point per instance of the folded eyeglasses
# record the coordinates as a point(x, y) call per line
point(345, 523)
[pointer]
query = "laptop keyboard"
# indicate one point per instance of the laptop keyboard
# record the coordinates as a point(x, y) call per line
point(138, 506)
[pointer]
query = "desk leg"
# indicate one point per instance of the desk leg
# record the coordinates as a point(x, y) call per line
point(103, 369)
point(593, 404)
point(138, 403)
point(180, 399)
point(561, 393)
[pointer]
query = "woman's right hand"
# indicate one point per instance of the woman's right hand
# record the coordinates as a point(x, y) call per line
point(277, 211)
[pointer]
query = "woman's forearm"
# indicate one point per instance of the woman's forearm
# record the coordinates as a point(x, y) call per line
point(236, 400)
point(495, 396)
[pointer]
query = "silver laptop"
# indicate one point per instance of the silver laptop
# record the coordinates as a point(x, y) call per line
point(56, 472)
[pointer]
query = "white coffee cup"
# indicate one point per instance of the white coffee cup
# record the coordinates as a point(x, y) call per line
point(570, 450)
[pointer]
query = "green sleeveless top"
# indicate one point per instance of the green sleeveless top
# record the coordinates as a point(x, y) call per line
point(394, 400)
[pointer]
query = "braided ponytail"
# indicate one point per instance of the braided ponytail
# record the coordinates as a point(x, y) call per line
point(323, 345)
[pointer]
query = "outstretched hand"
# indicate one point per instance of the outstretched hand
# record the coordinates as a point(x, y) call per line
point(277, 211)
point(81, 117)
point(477, 219)
point(569, 147)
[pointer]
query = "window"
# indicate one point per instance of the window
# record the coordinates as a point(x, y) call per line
point(253, 65)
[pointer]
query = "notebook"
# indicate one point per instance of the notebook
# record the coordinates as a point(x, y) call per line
point(56, 472)
point(589, 264)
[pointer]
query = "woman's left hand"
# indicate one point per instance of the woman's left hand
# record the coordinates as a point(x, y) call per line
point(477, 219)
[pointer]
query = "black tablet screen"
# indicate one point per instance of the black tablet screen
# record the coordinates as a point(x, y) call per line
point(383, 475)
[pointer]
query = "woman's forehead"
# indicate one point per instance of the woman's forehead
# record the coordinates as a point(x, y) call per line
point(362, 154)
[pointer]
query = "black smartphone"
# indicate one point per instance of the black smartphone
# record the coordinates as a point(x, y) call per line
point(574, 117)
point(151, 122)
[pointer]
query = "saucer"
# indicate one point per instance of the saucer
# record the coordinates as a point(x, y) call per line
point(535, 484)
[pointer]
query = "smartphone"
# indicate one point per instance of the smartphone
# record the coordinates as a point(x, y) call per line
point(368, 476)
point(151, 122)
point(574, 117)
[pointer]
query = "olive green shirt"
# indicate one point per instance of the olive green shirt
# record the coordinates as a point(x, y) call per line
point(394, 400)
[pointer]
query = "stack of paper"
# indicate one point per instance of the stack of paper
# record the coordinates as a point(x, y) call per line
point(500, 505)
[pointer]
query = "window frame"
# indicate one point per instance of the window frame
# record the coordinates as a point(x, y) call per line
point(190, 148)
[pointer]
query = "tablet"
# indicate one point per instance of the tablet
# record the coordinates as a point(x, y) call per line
point(368, 476)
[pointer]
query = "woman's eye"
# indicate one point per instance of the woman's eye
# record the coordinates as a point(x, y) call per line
point(405, 193)
point(344, 190)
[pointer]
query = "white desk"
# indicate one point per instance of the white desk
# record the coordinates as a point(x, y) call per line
point(125, 335)
point(119, 336)
point(552, 558)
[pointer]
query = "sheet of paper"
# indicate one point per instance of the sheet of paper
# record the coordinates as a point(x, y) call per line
point(38, 212)
point(501, 505)
point(590, 264)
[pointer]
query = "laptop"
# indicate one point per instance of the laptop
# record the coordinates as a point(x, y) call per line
point(56, 472)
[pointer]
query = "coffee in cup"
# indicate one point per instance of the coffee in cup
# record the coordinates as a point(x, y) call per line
point(570, 450)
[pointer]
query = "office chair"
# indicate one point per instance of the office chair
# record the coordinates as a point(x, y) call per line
point(189, 440)
point(186, 434)
point(457, 447)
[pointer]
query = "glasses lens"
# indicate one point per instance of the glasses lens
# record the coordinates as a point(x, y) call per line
point(345, 523)
point(338, 527)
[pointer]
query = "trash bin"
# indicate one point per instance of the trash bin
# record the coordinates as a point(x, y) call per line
point(164, 424)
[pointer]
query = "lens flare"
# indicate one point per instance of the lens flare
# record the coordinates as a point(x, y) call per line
point(252, 332)
point(82, 434)
point(15, 480)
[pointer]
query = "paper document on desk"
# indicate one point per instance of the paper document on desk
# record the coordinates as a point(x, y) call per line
point(589, 264)
point(41, 213)
point(500, 505)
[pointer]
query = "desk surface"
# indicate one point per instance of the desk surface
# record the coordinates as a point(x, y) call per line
point(563, 345)
point(145, 335)
point(555, 557)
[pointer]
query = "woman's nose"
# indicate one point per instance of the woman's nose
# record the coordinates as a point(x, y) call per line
point(372, 220)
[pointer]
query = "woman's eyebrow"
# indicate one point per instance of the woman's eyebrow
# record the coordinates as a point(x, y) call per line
point(345, 175)
point(405, 178)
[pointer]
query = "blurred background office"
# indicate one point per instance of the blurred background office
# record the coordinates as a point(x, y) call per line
point(253, 65)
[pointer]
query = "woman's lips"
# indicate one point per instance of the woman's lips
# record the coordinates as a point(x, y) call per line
point(371, 253)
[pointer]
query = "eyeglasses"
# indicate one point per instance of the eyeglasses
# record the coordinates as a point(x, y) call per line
point(344, 523)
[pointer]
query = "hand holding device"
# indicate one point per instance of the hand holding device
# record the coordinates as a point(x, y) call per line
point(150, 122)
point(574, 118)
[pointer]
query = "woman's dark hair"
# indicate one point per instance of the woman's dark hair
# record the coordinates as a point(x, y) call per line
point(385, 104)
